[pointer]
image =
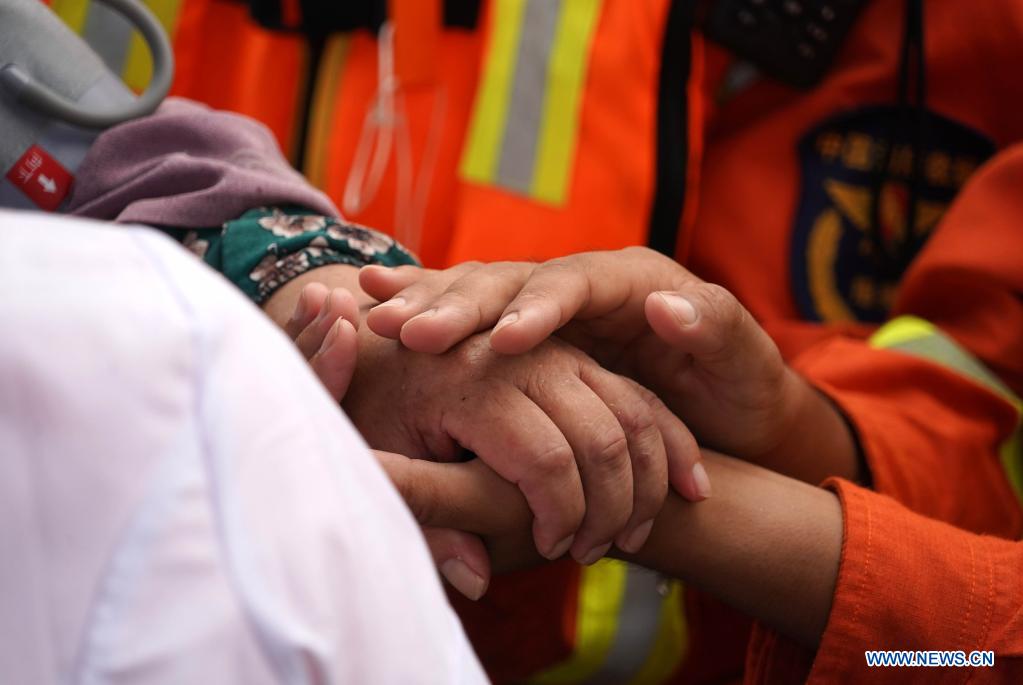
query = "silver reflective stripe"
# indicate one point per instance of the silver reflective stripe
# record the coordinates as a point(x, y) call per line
point(108, 34)
point(939, 348)
point(639, 622)
point(920, 338)
point(526, 106)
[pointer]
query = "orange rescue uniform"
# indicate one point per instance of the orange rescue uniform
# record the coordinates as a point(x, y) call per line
point(777, 203)
point(907, 582)
point(782, 222)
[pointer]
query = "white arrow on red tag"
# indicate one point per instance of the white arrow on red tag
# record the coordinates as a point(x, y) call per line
point(40, 177)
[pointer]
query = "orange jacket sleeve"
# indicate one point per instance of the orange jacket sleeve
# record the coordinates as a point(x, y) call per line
point(931, 434)
point(907, 582)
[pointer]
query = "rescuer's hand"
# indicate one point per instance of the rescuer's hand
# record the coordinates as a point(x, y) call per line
point(588, 448)
point(642, 315)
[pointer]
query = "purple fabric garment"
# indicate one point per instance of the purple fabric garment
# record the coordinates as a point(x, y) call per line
point(187, 166)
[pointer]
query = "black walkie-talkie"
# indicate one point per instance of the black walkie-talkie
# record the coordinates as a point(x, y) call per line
point(794, 41)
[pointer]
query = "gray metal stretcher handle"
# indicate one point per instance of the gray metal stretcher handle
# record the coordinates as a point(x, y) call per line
point(30, 92)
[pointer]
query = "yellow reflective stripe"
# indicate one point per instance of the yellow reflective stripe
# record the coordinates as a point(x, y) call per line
point(566, 73)
point(138, 65)
point(525, 120)
point(601, 588)
point(920, 338)
point(901, 330)
point(1011, 454)
point(486, 131)
point(651, 654)
point(672, 640)
point(73, 12)
point(913, 335)
point(328, 85)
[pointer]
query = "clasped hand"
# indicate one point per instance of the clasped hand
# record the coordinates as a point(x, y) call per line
point(592, 452)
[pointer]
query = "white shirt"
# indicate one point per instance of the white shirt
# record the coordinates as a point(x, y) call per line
point(180, 500)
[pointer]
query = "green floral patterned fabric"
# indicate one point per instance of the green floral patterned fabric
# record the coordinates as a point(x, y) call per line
point(267, 247)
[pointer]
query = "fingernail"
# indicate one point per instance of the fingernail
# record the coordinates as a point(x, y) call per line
point(326, 308)
point(335, 330)
point(300, 307)
point(595, 554)
point(701, 481)
point(635, 540)
point(463, 579)
point(507, 320)
point(558, 550)
point(683, 309)
point(393, 302)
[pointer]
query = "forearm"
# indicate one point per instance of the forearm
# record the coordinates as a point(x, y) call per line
point(766, 544)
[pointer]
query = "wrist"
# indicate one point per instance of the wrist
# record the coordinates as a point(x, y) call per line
point(281, 305)
point(813, 440)
point(765, 544)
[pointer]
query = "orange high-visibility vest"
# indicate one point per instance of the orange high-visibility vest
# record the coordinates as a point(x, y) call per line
point(538, 135)
point(519, 126)
point(516, 123)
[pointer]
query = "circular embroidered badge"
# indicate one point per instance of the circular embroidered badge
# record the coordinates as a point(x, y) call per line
point(851, 238)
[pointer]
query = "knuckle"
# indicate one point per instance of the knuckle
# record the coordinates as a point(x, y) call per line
point(610, 451)
point(460, 300)
point(555, 286)
point(658, 410)
point(725, 311)
point(421, 291)
point(721, 302)
point(565, 269)
point(648, 448)
point(469, 267)
point(653, 402)
point(641, 252)
point(533, 299)
point(471, 359)
point(512, 268)
point(551, 469)
point(635, 415)
point(553, 461)
point(563, 272)
point(647, 454)
point(557, 263)
point(650, 465)
point(642, 257)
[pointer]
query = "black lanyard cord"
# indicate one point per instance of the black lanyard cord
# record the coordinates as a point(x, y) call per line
point(891, 261)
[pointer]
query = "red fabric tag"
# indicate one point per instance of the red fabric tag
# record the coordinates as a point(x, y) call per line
point(41, 178)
